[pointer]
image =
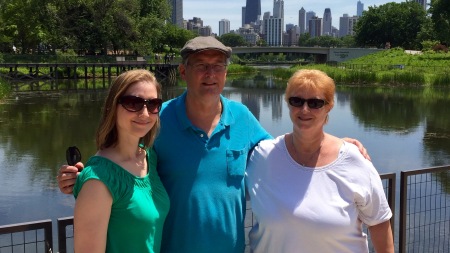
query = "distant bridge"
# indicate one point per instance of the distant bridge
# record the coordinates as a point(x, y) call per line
point(320, 54)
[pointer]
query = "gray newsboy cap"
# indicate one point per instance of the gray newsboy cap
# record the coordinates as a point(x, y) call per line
point(202, 43)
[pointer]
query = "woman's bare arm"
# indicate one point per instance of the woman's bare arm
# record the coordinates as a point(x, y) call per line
point(381, 236)
point(91, 217)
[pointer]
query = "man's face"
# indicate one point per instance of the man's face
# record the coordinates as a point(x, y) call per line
point(205, 73)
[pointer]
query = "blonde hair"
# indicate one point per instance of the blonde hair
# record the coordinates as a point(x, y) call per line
point(107, 134)
point(312, 79)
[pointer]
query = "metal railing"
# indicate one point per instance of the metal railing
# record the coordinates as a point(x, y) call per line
point(65, 234)
point(424, 217)
point(33, 236)
point(425, 210)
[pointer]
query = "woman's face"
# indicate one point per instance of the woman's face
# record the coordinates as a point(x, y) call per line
point(306, 115)
point(137, 124)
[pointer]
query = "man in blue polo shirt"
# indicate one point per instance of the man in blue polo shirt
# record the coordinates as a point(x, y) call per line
point(202, 151)
point(202, 155)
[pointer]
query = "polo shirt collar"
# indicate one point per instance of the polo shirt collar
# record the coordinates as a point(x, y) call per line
point(226, 118)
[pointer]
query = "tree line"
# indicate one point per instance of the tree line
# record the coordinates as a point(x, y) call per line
point(141, 27)
point(88, 27)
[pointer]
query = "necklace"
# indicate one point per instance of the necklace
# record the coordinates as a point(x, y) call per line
point(306, 159)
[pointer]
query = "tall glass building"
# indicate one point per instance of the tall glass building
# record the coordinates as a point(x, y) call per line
point(177, 12)
point(252, 11)
point(359, 8)
point(326, 22)
point(224, 26)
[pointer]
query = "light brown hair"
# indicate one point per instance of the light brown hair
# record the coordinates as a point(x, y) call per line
point(107, 135)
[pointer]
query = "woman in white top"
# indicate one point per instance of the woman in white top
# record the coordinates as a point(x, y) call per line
point(311, 191)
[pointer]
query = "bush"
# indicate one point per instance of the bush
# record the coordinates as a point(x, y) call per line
point(427, 45)
point(440, 47)
point(67, 55)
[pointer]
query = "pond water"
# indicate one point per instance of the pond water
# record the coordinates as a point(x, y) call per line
point(403, 129)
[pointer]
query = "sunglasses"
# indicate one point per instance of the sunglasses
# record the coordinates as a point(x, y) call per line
point(135, 104)
point(313, 103)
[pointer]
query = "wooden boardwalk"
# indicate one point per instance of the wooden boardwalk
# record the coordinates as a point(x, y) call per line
point(56, 71)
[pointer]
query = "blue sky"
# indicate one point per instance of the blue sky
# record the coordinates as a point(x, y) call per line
point(212, 11)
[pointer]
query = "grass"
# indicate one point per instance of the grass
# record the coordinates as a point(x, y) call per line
point(240, 69)
point(388, 67)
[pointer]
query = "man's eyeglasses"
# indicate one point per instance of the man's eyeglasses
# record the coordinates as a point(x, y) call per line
point(135, 104)
point(203, 67)
point(313, 103)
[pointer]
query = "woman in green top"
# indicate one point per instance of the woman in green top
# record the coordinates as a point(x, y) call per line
point(121, 203)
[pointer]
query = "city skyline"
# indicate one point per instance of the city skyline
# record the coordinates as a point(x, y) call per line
point(212, 12)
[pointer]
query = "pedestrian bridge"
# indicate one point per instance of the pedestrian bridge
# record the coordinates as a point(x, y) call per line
point(321, 54)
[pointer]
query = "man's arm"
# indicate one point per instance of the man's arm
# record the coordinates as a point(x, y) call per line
point(67, 176)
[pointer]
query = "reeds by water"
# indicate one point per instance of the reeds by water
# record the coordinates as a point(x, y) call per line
point(378, 75)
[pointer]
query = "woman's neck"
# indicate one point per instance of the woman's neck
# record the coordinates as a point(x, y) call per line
point(306, 150)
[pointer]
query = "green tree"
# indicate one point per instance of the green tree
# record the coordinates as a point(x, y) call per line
point(21, 24)
point(261, 42)
point(52, 37)
point(78, 26)
point(233, 40)
point(397, 23)
point(440, 15)
point(303, 39)
point(348, 41)
point(328, 41)
point(88, 26)
point(176, 37)
point(427, 32)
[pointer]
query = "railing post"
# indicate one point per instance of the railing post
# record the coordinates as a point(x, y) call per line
point(391, 197)
point(402, 213)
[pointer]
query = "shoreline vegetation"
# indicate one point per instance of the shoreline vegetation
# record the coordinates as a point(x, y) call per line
point(393, 67)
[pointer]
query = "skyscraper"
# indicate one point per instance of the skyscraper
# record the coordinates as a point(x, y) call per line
point(302, 20)
point(224, 26)
point(346, 25)
point(243, 16)
point(315, 27)
point(252, 11)
point(278, 12)
point(273, 29)
point(343, 25)
point(326, 30)
point(309, 16)
point(177, 12)
point(359, 8)
point(278, 8)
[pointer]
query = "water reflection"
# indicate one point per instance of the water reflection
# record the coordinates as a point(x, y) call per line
point(403, 129)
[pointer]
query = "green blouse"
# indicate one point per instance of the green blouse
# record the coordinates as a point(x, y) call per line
point(140, 204)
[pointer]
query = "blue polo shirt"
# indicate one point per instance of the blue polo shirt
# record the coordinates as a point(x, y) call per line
point(204, 177)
